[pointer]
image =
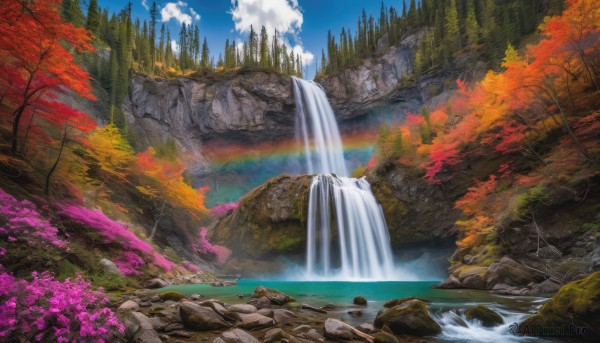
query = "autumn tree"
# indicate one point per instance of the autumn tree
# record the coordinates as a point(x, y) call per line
point(167, 185)
point(35, 59)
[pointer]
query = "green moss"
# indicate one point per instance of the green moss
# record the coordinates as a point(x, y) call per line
point(526, 200)
point(484, 315)
point(287, 243)
point(395, 302)
point(577, 302)
point(171, 295)
point(109, 282)
point(411, 317)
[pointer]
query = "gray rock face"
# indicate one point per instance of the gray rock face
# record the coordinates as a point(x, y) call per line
point(139, 328)
point(196, 317)
point(373, 81)
point(109, 267)
point(241, 106)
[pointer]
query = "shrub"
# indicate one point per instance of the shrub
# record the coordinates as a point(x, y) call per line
point(21, 221)
point(46, 309)
point(114, 232)
point(222, 210)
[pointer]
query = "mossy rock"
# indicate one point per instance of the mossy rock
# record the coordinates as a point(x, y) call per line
point(577, 303)
point(396, 302)
point(360, 300)
point(411, 318)
point(482, 313)
point(171, 295)
point(276, 297)
point(384, 337)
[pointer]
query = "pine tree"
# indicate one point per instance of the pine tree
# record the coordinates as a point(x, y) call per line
point(196, 44)
point(276, 54)
point(204, 60)
point(74, 14)
point(93, 17)
point(264, 48)
point(183, 47)
point(452, 26)
point(161, 44)
point(168, 50)
point(471, 25)
point(152, 36)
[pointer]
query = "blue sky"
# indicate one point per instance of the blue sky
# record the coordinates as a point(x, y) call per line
point(305, 22)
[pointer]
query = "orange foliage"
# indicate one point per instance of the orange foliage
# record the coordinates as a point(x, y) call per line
point(168, 183)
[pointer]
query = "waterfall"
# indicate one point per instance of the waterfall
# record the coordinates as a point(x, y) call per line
point(347, 238)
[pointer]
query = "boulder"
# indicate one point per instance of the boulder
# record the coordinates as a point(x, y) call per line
point(511, 272)
point(282, 316)
point(236, 336)
point(242, 308)
point(196, 317)
point(337, 330)
point(366, 327)
point(139, 328)
point(576, 303)
point(109, 267)
point(171, 295)
point(411, 317)
point(484, 315)
point(360, 301)
point(312, 308)
point(128, 305)
point(395, 302)
point(274, 335)
point(384, 337)
point(156, 283)
point(275, 297)
point(260, 303)
point(253, 321)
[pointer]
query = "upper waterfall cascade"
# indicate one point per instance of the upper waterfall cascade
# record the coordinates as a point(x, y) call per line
point(347, 238)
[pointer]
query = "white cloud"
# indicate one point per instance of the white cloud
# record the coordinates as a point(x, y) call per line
point(175, 46)
point(145, 4)
point(195, 14)
point(283, 15)
point(177, 11)
point(306, 56)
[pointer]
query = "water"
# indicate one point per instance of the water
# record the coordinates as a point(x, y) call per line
point(347, 238)
point(316, 126)
point(446, 306)
point(363, 241)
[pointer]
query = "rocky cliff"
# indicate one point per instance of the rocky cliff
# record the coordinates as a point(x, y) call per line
point(271, 219)
point(243, 107)
point(388, 78)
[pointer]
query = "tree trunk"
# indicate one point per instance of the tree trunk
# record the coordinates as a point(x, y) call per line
point(160, 214)
point(51, 171)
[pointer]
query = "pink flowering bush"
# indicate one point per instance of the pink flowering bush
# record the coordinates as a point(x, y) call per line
point(191, 267)
point(222, 210)
point(21, 221)
point(48, 310)
point(204, 247)
point(130, 263)
point(114, 232)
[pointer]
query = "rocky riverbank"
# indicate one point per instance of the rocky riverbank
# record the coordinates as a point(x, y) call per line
point(153, 316)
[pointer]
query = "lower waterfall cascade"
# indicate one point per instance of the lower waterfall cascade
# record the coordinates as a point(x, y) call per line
point(347, 237)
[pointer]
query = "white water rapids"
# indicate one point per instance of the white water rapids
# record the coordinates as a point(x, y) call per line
point(347, 238)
